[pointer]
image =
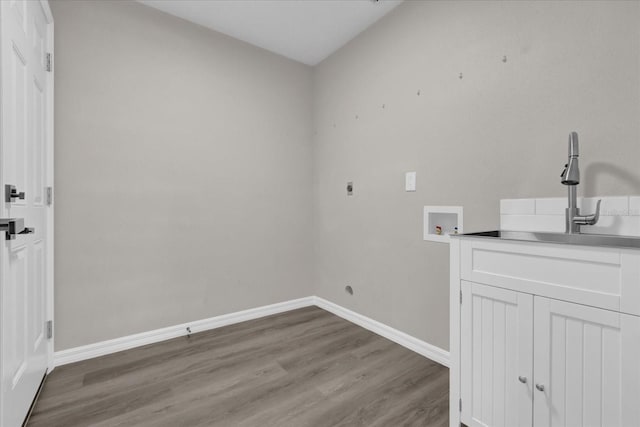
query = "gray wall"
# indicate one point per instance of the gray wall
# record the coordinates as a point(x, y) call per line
point(183, 173)
point(187, 184)
point(499, 132)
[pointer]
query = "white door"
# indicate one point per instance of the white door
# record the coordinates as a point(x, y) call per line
point(587, 366)
point(25, 138)
point(496, 356)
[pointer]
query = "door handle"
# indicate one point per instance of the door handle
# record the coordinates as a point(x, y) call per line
point(11, 192)
point(13, 227)
point(28, 230)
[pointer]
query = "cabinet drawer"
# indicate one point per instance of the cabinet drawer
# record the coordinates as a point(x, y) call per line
point(598, 277)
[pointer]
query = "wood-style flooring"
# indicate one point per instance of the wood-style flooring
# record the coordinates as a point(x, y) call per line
point(306, 367)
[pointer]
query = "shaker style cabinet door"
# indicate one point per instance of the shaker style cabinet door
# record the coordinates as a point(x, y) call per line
point(496, 356)
point(586, 365)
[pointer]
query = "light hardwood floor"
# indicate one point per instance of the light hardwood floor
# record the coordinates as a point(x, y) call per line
point(305, 367)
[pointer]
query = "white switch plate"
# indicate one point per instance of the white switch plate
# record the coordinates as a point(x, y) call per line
point(410, 181)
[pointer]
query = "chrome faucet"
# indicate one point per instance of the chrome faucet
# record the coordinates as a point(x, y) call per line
point(571, 178)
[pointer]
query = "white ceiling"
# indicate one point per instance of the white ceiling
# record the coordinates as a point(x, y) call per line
point(303, 30)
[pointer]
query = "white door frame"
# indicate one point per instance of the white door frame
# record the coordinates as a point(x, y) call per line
point(49, 150)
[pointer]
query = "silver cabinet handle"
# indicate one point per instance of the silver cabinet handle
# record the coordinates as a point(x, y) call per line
point(540, 387)
point(522, 379)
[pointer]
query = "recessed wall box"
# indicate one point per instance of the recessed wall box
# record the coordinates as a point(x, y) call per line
point(442, 221)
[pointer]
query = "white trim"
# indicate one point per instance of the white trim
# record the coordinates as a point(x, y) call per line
point(49, 178)
point(102, 348)
point(423, 348)
point(131, 341)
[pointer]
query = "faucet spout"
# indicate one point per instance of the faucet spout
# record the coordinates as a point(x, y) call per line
point(571, 173)
point(571, 178)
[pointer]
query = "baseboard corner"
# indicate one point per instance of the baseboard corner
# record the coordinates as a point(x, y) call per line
point(414, 344)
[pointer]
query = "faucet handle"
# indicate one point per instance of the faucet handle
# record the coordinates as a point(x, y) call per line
point(564, 171)
point(596, 216)
point(588, 219)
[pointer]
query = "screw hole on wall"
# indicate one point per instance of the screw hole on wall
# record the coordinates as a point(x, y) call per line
point(348, 289)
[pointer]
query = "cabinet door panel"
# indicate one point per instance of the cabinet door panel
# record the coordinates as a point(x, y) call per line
point(496, 349)
point(585, 359)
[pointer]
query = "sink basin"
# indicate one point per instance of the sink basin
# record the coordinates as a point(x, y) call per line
point(563, 238)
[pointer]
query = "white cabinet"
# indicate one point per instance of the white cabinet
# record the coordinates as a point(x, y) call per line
point(586, 360)
point(497, 350)
point(526, 349)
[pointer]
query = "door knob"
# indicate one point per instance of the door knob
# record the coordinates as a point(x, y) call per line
point(11, 192)
point(522, 379)
point(11, 227)
point(540, 387)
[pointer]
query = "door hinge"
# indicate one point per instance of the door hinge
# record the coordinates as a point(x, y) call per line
point(460, 404)
point(461, 297)
point(47, 62)
point(49, 329)
point(49, 196)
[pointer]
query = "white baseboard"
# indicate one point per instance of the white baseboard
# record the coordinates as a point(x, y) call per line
point(103, 348)
point(421, 347)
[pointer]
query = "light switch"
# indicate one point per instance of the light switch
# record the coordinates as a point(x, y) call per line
point(410, 181)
